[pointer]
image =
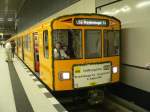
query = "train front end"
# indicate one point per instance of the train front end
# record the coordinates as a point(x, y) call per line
point(86, 51)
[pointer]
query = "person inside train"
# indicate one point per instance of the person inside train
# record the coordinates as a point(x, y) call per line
point(59, 52)
point(116, 51)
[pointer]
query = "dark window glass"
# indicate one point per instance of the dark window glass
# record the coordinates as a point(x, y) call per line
point(67, 44)
point(92, 43)
point(111, 43)
point(45, 43)
point(27, 42)
point(19, 42)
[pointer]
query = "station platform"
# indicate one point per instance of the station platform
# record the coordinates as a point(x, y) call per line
point(21, 91)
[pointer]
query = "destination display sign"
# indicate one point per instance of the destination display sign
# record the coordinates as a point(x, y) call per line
point(91, 22)
point(92, 74)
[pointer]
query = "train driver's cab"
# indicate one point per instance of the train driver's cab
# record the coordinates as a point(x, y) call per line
point(67, 44)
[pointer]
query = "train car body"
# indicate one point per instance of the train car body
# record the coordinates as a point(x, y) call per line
point(72, 52)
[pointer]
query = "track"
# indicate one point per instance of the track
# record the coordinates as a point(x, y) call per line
point(110, 104)
point(105, 107)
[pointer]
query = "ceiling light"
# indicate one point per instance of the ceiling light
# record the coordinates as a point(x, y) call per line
point(143, 4)
point(125, 8)
point(116, 11)
point(10, 19)
point(1, 19)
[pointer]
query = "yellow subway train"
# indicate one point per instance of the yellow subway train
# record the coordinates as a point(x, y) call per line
point(73, 51)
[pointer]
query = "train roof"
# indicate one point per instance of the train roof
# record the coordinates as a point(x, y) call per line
point(78, 15)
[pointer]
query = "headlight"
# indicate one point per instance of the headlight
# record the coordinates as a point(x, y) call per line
point(115, 69)
point(64, 75)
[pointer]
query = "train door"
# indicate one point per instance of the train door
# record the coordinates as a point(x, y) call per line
point(22, 45)
point(17, 47)
point(36, 53)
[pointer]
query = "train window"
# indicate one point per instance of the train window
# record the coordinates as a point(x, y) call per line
point(45, 43)
point(93, 43)
point(27, 42)
point(18, 42)
point(111, 43)
point(67, 44)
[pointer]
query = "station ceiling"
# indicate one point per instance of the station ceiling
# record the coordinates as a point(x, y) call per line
point(8, 13)
point(14, 11)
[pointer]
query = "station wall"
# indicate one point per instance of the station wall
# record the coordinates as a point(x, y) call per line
point(135, 53)
point(103, 2)
point(134, 15)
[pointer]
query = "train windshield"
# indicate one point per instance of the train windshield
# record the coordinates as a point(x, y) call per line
point(92, 43)
point(111, 43)
point(67, 44)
